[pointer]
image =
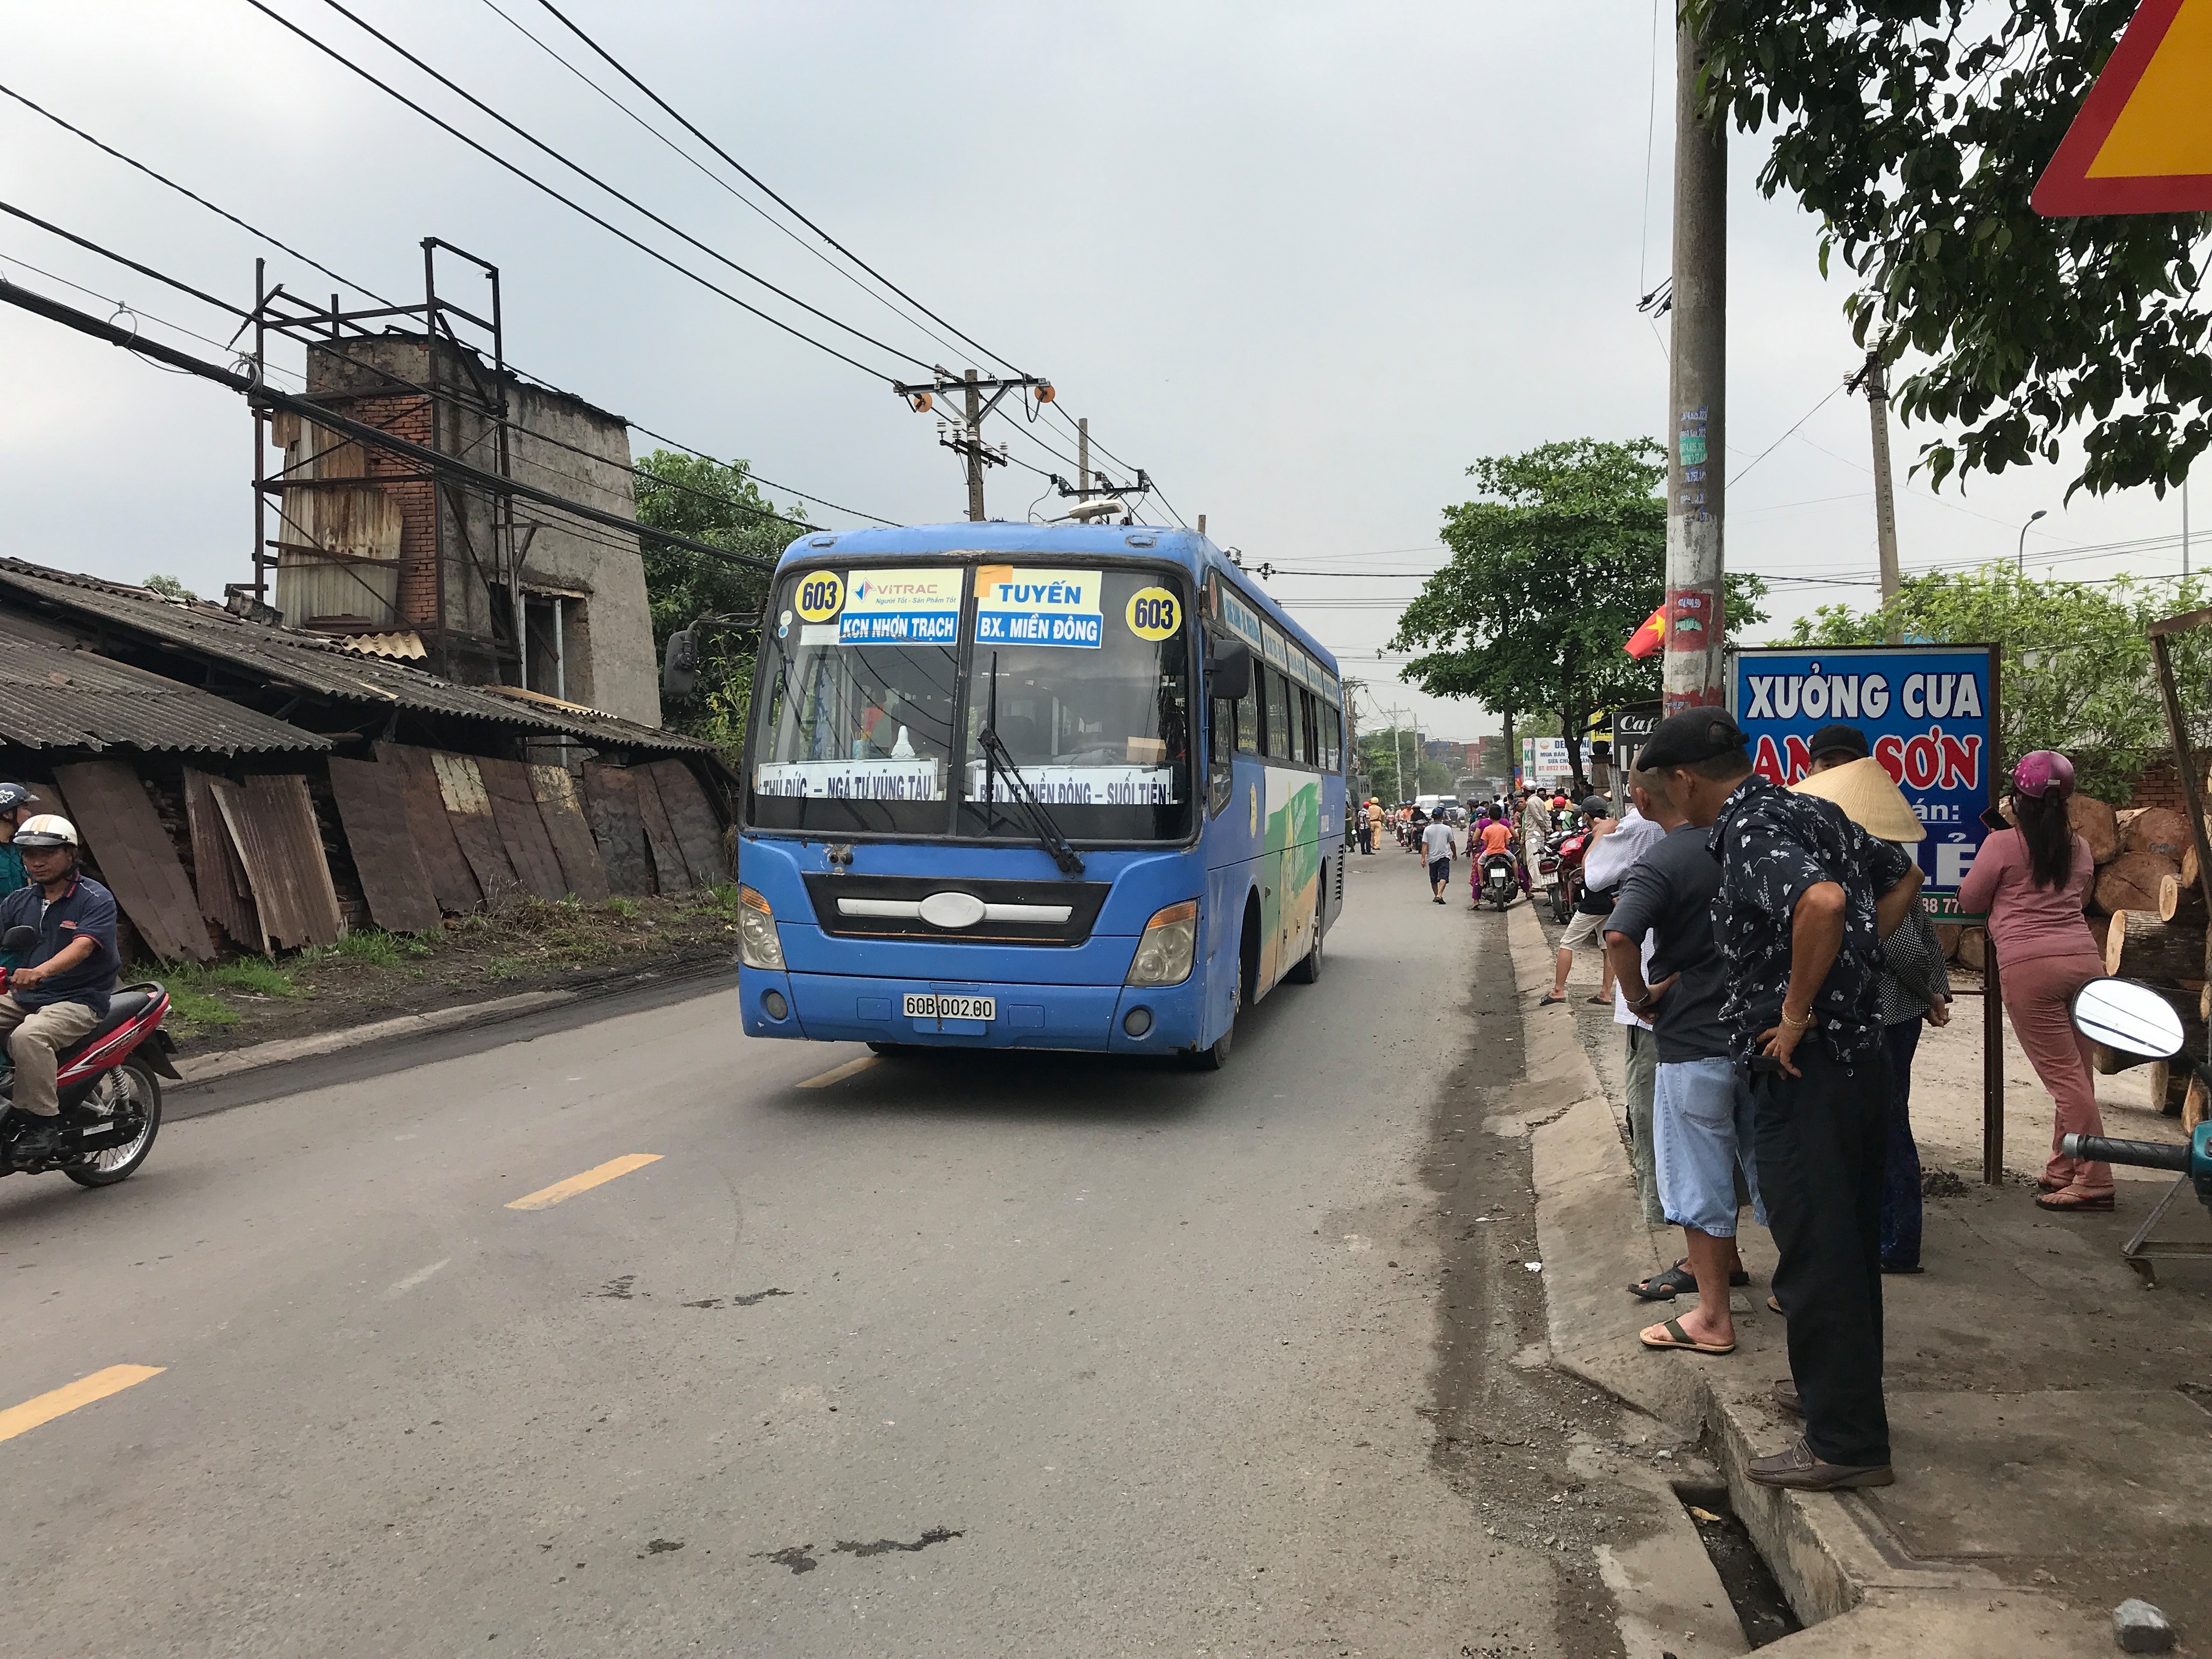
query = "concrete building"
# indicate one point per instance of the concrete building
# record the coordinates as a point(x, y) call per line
point(372, 550)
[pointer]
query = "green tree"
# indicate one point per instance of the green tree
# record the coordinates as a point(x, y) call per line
point(1548, 577)
point(2076, 671)
point(710, 502)
point(168, 588)
point(1915, 130)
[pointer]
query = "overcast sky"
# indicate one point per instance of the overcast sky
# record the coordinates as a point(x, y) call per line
point(1303, 263)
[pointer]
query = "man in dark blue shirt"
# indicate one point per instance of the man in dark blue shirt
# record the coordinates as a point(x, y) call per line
point(62, 992)
point(1805, 898)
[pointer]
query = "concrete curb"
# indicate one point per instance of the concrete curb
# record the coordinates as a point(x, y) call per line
point(1858, 1589)
point(205, 1068)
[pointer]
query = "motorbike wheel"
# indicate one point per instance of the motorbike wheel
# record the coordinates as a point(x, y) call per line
point(137, 1089)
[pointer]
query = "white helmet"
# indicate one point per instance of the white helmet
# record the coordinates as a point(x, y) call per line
point(46, 830)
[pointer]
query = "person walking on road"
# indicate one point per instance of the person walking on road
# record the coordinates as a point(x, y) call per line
point(1701, 1126)
point(1805, 898)
point(2030, 882)
point(1914, 984)
point(1535, 829)
point(1439, 846)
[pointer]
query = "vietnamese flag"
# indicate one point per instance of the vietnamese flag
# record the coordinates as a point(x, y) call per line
point(1649, 638)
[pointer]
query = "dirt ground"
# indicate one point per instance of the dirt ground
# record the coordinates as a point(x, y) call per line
point(527, 946)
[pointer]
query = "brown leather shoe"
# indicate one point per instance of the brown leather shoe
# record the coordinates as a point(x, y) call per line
point(1798, 1470)
point(1785, 1399)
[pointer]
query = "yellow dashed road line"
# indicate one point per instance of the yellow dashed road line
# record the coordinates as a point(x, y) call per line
point(546, 1197)
point(19, 1419)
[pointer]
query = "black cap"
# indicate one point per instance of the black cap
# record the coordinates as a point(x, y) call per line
point(1596, 806)
point(1845, 740)
point(1693, 735)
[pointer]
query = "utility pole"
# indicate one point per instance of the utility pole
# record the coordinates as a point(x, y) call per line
point(1870, 379)
point(975, 450)
point(1083, 453)
point(963, 433)
point(1698, 383)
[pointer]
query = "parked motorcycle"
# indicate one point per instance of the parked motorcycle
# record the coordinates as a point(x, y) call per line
point(1501, 879)
point(111, 1089)
point(1560, 870)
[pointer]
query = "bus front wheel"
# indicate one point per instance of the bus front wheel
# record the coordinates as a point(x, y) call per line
point(1212, 1059)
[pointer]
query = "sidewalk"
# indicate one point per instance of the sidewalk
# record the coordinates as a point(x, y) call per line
point(2052, 1453)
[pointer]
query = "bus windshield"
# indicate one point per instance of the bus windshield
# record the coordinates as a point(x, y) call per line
point(879, 682)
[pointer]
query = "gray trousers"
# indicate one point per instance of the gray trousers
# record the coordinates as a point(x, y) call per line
point(35, 1036)
point(1641, 1067)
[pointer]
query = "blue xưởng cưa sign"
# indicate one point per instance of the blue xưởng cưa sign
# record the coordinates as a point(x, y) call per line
point(1929, 713)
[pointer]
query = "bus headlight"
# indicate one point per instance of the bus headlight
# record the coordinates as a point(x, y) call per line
point(758, 944)
point(1164, 955)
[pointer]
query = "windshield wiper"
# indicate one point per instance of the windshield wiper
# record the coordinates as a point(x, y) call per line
point(996, 759)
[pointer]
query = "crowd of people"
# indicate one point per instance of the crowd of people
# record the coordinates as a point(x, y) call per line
point(1773, 969)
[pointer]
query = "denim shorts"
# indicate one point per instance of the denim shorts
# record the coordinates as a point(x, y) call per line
point(1700, 1131)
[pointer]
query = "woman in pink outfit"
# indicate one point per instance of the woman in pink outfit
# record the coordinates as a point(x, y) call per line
point(2031, 882)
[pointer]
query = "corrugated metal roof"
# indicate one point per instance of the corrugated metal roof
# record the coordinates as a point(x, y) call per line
point(53, 697)
point(309, 662)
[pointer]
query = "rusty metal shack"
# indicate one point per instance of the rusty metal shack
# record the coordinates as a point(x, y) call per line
point(234, 779)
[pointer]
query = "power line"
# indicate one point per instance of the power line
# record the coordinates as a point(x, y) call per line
point(761, 184)
point(592, 178)
point(172, 183)
point(569, 202)
point(717, 180)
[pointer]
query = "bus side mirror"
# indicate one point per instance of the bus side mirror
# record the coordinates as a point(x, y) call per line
point(679, 668)
point(1228, 668)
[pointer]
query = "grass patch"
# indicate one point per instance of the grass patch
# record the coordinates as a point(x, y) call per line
point(196, 1011)
point(370, 947)
point(509, 967)
point(626, 908)
point(257, 974)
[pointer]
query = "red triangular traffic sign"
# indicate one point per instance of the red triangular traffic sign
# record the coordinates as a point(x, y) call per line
point(2142, 143)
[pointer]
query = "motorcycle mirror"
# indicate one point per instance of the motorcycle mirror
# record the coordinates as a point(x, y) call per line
point(679, 669)
point(1228, 668)
point(2128, 1018)
point(20, 938)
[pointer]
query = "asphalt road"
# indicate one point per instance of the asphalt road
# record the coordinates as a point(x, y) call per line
point(992, 1355)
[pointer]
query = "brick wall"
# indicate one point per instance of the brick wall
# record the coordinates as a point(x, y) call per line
point(408, 416)
point(2159, 785)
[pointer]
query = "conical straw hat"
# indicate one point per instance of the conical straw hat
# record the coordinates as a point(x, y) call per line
point(1869, 799)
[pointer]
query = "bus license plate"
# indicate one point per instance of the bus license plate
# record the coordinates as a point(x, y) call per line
point(923, 1006)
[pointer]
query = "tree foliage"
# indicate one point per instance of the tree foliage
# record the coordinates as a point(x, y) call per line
point(2076, 672)
point(1916, 129)
point(710, 502)
point(1549, 575)
point(1394, 760)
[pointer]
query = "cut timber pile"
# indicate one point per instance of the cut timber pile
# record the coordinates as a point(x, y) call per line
point(2156, 830)
point(1973, 949)
point(2180, 901)
point(2131, 882)
point(2096, 823)
point(2141, 945)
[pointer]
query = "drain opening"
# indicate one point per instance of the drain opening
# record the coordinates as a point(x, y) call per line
point(1760, 1606)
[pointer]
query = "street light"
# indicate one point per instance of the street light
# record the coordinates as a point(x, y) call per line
point(2032, 517)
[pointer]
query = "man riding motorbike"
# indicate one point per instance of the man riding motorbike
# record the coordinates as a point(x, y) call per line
point(62, 992)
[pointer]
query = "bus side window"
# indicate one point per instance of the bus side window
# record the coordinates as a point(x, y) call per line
point(1279, 718)
point(1309, 736)
point(1221, 752)
point(1331, 737)
point(1248, 715)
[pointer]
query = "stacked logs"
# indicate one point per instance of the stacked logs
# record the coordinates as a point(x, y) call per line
point(2146, 908)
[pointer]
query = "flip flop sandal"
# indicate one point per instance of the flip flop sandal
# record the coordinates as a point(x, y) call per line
point(1666, 1286)
point(1601, 1000)
point(2081, 1203)
point(1548, 1000)
point(1682, 1338)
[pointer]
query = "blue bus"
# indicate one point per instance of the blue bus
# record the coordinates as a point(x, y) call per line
point(1009, 785)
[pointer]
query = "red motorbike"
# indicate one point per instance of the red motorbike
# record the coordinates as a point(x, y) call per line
point(111, 1089)
point(1560, 870)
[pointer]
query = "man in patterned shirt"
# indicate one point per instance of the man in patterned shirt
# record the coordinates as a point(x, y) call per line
point(1806, 899)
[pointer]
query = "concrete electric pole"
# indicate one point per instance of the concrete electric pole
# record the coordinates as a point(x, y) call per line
point(1870, 380)
point(963, 433)
point(1696, 425)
